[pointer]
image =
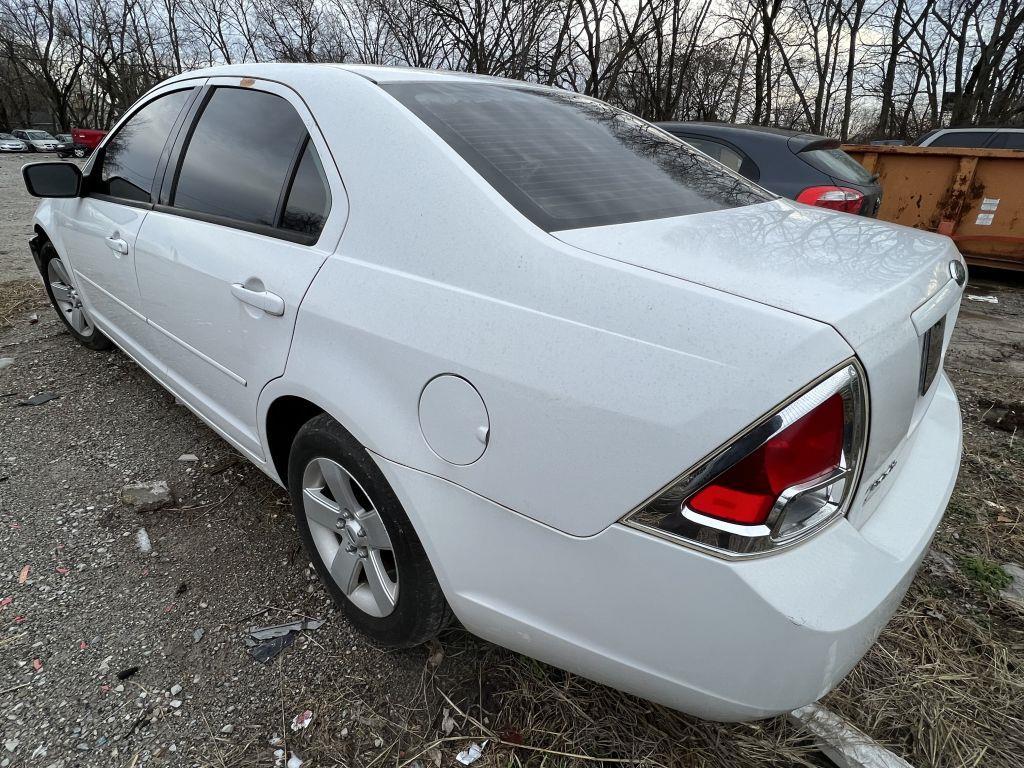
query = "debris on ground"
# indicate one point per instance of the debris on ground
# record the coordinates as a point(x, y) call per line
point(265, 643)
point(302, 720)
point(471, 754)
point(40, 399)
point(6, 361)
point(190, 457)
point(843, 743)
point(447, 723)
point(1007, 416)
point(1014, 592)
point(435, 653)
point(986, 299)
point(147, 497)
point(143, 542)
point(124, 674)
point(23, 576)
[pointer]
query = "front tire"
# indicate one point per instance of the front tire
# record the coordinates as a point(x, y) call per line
point(64, 298)
point(360, 540)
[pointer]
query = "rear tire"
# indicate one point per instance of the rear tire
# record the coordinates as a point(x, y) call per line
point(64, 298)
point(360, 540)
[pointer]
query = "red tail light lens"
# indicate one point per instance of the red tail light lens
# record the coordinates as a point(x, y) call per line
point(783, 478)
point(807, 449)
point(837, 198)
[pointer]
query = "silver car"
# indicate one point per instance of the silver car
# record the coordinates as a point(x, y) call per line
point(9, 143)
point(37, 141)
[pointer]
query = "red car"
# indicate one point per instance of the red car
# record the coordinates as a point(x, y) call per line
point(83, 142)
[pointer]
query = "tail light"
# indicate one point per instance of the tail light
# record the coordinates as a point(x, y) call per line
point(837, 198)
point(782, 479)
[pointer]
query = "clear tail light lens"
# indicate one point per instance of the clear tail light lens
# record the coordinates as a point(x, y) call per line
point(836, 198)
point(782, 479)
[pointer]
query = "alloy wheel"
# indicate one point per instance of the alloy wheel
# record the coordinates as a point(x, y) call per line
point(66, 297)
point(350, 537)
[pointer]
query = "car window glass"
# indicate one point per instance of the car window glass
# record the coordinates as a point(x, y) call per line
point(723, 154)
point(961, 139)
point(568, 161)
point(239, 156)
point(309, 198)
point(837, 164)
point(1009, 140)
point(131, 156)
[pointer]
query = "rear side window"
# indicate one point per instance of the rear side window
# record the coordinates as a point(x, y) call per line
point(308, 199)
point(131, 155)
point(567, 161)
point(246, 148)
point(727, 157)
point(1008, 140)
point(961, 139)
point(837, 164)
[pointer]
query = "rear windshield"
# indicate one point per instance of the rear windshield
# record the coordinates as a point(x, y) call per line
point(837, 164)
point(567, 161)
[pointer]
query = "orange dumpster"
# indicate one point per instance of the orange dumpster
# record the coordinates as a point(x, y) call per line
point(976, 196)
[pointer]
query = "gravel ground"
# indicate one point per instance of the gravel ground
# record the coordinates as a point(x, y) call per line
point(16, 207)
point(83, 606)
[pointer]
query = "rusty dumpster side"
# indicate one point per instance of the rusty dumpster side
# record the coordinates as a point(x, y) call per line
point(976, 196)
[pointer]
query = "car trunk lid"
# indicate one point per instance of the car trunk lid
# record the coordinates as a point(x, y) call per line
point(862, 277)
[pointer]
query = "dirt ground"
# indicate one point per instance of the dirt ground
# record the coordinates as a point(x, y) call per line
point(82, 606)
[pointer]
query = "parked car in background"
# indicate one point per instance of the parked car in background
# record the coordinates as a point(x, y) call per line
point(801, 166)
point(520, 356)
point(37, 141)
point(10, 143)
point(65, 145)
point(85, 140)
point(978, 138)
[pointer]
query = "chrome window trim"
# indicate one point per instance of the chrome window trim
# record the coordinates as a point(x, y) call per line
point(732, 541)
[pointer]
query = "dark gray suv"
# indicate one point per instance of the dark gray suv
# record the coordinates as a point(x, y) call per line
point(802, 166)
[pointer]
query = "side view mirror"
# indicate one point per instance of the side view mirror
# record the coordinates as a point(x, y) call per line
point(52, 179)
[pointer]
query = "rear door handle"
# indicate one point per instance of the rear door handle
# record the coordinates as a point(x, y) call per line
point(117, 245)
point(269, 302)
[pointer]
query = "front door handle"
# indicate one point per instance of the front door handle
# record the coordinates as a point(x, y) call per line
point(269, 302)
point(117, 245)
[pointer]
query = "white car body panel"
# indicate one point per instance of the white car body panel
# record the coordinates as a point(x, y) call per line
point(214, 349)
point(608, 361)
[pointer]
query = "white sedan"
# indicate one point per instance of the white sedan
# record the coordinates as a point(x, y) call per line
point(522, 358)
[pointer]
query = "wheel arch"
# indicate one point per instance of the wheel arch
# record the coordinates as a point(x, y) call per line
point(285, 416)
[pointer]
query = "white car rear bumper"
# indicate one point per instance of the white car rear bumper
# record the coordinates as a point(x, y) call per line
point(722, 640)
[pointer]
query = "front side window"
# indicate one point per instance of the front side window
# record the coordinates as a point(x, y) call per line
point(240, 156)
point(131, 155)
point(568, 161)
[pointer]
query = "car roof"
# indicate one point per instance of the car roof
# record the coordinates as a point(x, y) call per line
point(797, 140)
point(374, 73)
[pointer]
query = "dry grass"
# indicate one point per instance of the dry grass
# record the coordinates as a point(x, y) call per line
point(17, 297)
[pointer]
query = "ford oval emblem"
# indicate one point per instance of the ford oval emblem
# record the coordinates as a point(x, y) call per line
point(958, 271)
